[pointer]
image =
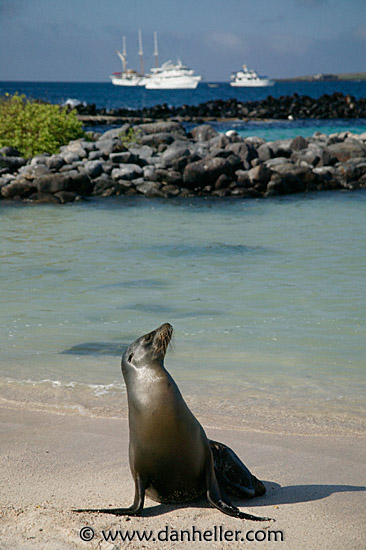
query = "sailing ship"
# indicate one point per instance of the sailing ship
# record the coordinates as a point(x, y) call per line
point(129, 77)
point(170, 76)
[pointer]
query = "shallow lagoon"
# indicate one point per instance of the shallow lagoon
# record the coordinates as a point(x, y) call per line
point(267, 298)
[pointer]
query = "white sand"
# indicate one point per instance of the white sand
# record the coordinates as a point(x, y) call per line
point(51, 463)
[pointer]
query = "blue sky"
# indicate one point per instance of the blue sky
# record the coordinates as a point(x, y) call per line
point(75, 40)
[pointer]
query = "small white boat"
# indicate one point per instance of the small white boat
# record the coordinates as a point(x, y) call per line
point(248, 77)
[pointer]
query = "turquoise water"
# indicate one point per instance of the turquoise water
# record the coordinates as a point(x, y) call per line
point(267, 299)
point(289, 129)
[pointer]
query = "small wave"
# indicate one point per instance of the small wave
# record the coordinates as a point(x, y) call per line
point(97, 389)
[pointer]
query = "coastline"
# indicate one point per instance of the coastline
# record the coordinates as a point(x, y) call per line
point(52, 463)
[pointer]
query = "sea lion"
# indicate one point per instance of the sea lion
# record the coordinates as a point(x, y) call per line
point(171, 459)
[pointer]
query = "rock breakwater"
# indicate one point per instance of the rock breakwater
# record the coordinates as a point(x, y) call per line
point(162, 160)
point(295, 106)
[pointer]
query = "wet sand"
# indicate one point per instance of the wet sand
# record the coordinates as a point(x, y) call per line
point(52, 463)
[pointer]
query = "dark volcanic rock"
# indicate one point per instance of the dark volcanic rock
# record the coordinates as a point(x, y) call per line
point(79, 184)
point(154, 140)
point(17, 189)
point(44, 198)
point(204, 132)
point(204, 172)
point(289, 178)
point(51, 183)
point(347, 150)
point(8, 151)
point(11, 163)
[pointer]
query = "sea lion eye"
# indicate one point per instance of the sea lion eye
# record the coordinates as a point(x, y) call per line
point(130, 358)
point(148, 338)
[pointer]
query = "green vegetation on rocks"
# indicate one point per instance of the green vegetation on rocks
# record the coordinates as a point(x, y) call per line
point(35, 128)
point(130, 137)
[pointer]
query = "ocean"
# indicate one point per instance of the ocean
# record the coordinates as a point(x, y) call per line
point(266, 297)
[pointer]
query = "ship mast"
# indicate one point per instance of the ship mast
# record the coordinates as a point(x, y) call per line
point(156, 53)
point(124, 54)
point(141, 55)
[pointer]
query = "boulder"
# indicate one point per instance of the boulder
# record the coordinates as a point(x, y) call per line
point(30, 172)
point(161, 127)
point(205, 172)
point(288, 178)
point(65, 196)
point(280, 148)
point(125, 157)
point(108, 146)
point(244, 150)
point(95, 155)
point(12, 163)
point(70, 157)
point(259, 174)
point(154, 140)
point(143, 152)
point(298, 144)
point(17, 189)
point(9, 151)
point(264, 152)
point(149, 189)
point(79, 184)
point(55, 162)
point(102, 183)
point(222, 182)
point(44, 198)
point(93, 168)
point(170, 190)
point(218, 142)
point(347, 150)
point(51, 183)
point(175, 178)
point(127, 172)
point(149, 173)
point(176, 150)
point(115, 133)
point(204, 132)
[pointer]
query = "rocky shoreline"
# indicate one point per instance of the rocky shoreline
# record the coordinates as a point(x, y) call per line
point(295, 106)
point(162, 159)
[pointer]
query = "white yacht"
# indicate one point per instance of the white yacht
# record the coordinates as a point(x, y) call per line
point(172, 76)
point(129, 77)
point(248, 77)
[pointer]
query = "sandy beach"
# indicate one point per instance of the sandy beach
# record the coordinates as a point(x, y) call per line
point(52, 463)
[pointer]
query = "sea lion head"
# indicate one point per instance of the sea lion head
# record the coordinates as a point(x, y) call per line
point(148, 349)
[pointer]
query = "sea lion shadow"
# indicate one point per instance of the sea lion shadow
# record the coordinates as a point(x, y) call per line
point(292, 494)
point(160, 509)
point(275, 495)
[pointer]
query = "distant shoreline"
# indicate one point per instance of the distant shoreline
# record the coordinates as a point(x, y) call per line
point(350, 77)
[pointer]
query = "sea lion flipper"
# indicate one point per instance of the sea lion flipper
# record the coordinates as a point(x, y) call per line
point(232, 474)
point(216, 498)
point(133, 510)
